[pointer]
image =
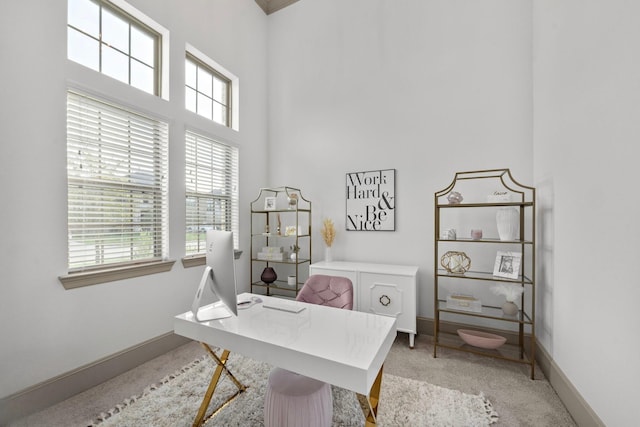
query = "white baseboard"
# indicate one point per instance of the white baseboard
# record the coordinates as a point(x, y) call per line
point(57, 389)
point(579, 409)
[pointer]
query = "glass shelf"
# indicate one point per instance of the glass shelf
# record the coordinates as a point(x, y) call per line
point(278, 284)
point(485, 240)
point(481, 275)
point(489, 312)
point(284, 261)
point(280, 211)
point(506, 352)
point(270, 235)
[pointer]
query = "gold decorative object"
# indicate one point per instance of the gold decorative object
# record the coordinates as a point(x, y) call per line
point(455, 262)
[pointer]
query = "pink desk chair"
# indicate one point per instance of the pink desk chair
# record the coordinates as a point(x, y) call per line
point(293, 400)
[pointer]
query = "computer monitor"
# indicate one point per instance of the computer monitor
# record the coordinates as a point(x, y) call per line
point(220, 273)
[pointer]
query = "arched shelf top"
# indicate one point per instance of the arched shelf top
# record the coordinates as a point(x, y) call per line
point(490, 186)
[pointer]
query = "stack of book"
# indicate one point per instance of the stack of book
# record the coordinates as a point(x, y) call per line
point(271, 253)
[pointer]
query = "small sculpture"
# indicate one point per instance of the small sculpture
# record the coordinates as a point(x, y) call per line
point(293, 200)
point(448, 234)
point(454, 198)
point(455, 262)
point(278, 231)
point(294, 252)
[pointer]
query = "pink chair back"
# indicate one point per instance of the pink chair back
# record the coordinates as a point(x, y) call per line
point(333, 291)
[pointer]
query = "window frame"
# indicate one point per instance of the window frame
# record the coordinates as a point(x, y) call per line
point(216, 69)
point(145, 24)
point(158, 262)
point(227, 104)
point(231, 155)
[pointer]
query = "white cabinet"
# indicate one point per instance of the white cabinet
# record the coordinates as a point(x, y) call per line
point(384, 289)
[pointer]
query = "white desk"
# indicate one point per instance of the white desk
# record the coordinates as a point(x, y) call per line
point(342, 347)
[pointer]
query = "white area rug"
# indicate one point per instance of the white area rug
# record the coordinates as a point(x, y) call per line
point(174, 401)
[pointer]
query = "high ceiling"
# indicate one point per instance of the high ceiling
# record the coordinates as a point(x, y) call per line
point(270, 6)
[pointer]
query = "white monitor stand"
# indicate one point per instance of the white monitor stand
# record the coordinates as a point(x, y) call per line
point(216, 311)
point(220, 274)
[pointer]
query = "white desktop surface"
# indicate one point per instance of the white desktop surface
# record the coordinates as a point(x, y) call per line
point(342, 347)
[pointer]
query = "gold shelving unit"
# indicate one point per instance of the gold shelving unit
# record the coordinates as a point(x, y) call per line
point(274, 216)
point(521, 197)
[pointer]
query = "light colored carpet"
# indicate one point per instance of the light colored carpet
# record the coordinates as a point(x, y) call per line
point(404, 402)
point(519, 400)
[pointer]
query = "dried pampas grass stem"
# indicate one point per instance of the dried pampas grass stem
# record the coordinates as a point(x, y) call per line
point(328, 232)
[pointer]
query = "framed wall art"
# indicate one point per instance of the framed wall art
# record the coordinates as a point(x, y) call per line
point(371, 200)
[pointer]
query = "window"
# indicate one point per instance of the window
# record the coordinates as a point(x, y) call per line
point(212, 190)
point(208, 92)
point(117, 185)
point(106, 39)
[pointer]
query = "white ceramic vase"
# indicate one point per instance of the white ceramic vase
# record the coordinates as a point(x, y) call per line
point(510, 308)
point(508, 221)
point(328, 256)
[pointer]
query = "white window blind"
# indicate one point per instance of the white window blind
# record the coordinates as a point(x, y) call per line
point(117, 185)
point(212, 190)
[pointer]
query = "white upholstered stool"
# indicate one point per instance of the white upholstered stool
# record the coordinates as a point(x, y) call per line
point(293, 400)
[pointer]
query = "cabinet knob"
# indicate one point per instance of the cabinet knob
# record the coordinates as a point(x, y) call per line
point(385, 300)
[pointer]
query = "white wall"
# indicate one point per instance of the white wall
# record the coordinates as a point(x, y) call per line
point(434, 87)
point(587, 126)
point(423, 86)
point(426, 87)
point(46, 330)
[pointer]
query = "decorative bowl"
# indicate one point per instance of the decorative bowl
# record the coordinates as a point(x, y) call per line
point(481, 339)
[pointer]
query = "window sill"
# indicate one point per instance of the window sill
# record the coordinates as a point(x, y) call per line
point(193, 261)
point(201, 259)
point(88, 278)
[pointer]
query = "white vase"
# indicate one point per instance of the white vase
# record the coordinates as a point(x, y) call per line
point(510, 308)
point(328, 256)
point(508, 221)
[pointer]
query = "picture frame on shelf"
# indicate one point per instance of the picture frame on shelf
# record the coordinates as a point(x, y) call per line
point(269, 203)
point(507, 264)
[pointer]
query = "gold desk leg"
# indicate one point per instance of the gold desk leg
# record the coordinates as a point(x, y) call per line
point(221, 362)
point(373, 399)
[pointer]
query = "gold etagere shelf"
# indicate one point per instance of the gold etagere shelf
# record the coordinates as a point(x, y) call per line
point(280, 221)
point(522, 198)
